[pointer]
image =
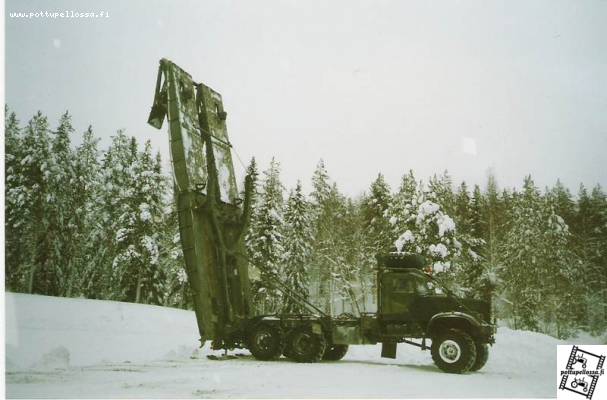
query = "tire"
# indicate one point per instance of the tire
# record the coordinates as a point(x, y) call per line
point(454, 351)
point(482, 355)
point(305, 346)
point(335, 352)
point(265, 342)
point(574, 384)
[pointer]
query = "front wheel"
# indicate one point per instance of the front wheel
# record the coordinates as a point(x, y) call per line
point(453, 351)
point(305, 346)
point(265, 342)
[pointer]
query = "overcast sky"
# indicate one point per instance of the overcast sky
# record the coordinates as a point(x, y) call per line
point(370, 86)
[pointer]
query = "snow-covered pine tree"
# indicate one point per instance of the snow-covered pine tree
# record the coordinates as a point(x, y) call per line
point(478, 226)
point(562, 201)
point(440, 191)
point(136, 265)
point(175, 284)
point(562, 291)
point(590, 229)
point(61, 205)
point(463, 209)
point(493, 216)
point(86, 198)
point(400, 210)
point(351, 252)
point(17, 249)
point(322, 224)
point(117, 175)
point(426, 230)
point(297, 247)
point(519, 257)
point(473, 270)
point(265, 240)
point(471, 266)
point(535, 261)
point(375, 207)
point(376, 229)
point(36, 172)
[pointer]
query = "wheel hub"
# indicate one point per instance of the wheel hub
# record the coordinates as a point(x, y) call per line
point(449, 351)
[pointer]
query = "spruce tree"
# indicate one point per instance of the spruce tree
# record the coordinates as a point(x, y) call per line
point(493, 217)
point(87, 200)
point(590, 228)
point(61, 205)
point(36, 173)
point(16, 248)
point(323, 212)
point(265, 240)
point(297, 247)
point(117, 175)
point(440, 191)
point(426, 230)
point(375, 208)
point(472, 267)
point(136, 265)
point(536, 265)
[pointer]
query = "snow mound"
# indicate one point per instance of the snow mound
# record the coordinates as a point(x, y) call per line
point(54, 332)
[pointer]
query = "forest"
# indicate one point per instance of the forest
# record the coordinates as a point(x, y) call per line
point(81, 221)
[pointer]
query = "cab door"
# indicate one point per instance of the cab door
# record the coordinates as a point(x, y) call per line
point(398, 290)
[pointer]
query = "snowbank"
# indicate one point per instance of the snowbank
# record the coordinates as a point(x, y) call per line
point(92, 331)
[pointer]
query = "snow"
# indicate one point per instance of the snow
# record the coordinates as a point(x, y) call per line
point(152, 248)
point(441, 266)
point(425, 209)
point(76, 348)
point(445, 224)
point(439, 250)
point(273, 213)
point(473, 255)
point(403, 239)
point(144, 212)
point(121, 235)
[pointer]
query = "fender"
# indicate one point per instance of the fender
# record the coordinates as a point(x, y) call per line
point(454, 316)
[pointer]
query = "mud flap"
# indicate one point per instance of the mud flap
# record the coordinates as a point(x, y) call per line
point(388, 349)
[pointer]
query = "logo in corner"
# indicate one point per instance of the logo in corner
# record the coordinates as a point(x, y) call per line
point(582, 367)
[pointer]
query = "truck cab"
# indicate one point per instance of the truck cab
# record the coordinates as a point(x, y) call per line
point(413, 304)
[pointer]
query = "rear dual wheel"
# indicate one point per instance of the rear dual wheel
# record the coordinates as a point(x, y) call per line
point(265, 342)
point(335, 352)
point(305, 346)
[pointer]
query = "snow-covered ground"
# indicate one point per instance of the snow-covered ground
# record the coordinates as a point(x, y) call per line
point(73, 348)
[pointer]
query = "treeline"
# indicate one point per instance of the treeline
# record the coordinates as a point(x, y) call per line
point(541, 255)
point(85, 223)
point(100, 224)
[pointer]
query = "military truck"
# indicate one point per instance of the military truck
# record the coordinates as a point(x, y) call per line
point(413, 306)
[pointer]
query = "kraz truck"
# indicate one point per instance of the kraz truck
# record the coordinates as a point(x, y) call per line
point(413, 307)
